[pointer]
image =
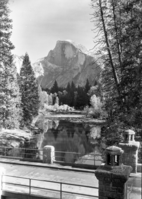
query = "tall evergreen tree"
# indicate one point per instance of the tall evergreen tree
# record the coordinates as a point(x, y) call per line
point(68, 87)
point(72, 86)
point(81, 98)
point(9, 94)
point(72, 90)
point(29, 91)
point(54, 88)
point(14, 113)
point(87, 86)
point(119, 24)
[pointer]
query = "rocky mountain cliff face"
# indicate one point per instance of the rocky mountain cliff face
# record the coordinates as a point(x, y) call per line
point(67, 62)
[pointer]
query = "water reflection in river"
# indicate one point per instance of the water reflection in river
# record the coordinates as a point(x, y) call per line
point(68, 136)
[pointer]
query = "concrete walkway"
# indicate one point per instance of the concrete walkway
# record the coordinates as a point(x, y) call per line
point(58, 173)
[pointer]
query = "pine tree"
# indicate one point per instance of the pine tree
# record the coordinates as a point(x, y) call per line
point(86, 94)
point(14, 112)
point(131, 42)
point(72, 86)
point(81, 98)
point(9, 94)
point(54, 88)
point(29, 91)
point(68, 87)
point(120, 43)
point(87, 86)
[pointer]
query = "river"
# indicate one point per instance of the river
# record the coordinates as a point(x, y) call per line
point(71, 139)
point(74, 139)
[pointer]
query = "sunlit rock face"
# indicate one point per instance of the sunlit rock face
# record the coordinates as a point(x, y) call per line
point(67, 62)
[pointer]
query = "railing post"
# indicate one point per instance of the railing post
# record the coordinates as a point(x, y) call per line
point(1, 182)
point(5, 151)
point(48, 154)
point(94, 159)
point(1, 185)
point(29, 186)
point(60, 190)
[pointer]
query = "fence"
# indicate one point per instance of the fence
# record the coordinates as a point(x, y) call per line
point(45, 188)
point(37, 155)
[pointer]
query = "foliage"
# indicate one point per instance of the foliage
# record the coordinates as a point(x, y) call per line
point(44, 98)
point(96, 105)
point(54, 88)
point(77, 97)
point(82, 98)
point(71, 95)
point(96, 90)
point(112, 133)
point(50, 99)
point(29, 91)
point(119, 24)
point(15, 113)
point(9, 90)
point(87, 86)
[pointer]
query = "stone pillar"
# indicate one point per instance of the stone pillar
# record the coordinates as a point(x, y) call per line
point(48, 154)
point(113, 175)
point(130, 147)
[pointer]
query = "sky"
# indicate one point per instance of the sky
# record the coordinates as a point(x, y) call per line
point(39, 24)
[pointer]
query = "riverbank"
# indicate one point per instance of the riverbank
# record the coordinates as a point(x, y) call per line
point(76, 117)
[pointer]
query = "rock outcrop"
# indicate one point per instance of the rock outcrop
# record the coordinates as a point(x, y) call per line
point(66, 63)
point(13, 139)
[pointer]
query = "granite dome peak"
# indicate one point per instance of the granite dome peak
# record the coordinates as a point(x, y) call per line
point(67, 62)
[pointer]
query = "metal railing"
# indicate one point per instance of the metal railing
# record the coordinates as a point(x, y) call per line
point(19, 153)
point(37, 155)
point(48, 188)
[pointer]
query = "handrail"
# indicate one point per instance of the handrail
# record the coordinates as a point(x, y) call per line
point(36, 179)
point(30, 153)
point(34, 149)
point(60, 190)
